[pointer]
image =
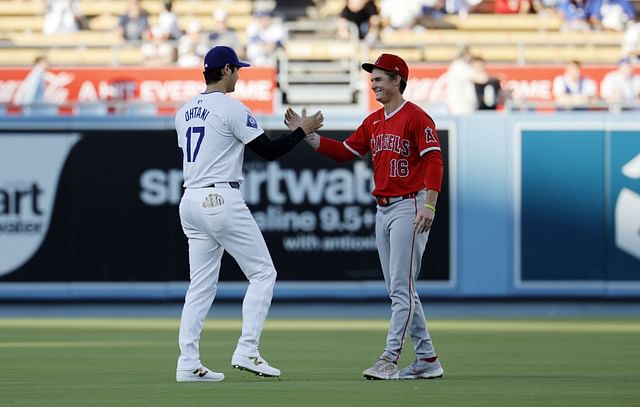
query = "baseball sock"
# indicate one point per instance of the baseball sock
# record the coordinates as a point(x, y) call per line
point(430, 360)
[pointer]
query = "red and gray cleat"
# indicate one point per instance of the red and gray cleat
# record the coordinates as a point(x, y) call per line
point(383, 369)
point(421, 369)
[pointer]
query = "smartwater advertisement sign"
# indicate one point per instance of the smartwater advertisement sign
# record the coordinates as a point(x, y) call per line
point(30, 168)
point(103, 206)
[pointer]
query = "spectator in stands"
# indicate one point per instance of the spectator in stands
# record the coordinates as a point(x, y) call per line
point(168, 22)
point(545, 7)
point(63, 16)
point(512, 7)
point(222, 34)
point(488, 89)
point(158, 51)
point(32, 90)
point(461, 7)
point(631, 41)
point(461, 95)
point(264, 35)
point(574, 15)
point(621, 88)
point(406, 17)
point(134, 24)
point(433, 12)
point(572, 89)
point(610, 14)
point(193, 46)
point(364, 15)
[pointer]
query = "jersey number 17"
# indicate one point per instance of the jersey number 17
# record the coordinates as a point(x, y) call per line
point(192, 152)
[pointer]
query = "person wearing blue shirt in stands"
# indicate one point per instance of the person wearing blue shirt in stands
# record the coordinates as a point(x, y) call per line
point(574, 15)
point(610, 14)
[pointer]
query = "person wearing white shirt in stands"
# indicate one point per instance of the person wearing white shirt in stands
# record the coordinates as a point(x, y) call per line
point(461, 96)
point(572, 89)
point(621, 88)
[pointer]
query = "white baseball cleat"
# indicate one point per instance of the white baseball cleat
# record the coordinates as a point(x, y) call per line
point(254, 364)
point(201, 374)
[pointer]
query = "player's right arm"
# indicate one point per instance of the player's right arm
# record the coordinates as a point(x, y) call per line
point(339, 151)
point(245, 127)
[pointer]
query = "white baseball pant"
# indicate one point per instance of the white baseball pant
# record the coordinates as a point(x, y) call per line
point(215, 220)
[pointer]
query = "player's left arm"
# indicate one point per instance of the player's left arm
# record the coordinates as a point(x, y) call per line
point(433, 181)
point(430, 153)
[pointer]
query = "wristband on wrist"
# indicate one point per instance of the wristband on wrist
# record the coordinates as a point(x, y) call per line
point(433, 208)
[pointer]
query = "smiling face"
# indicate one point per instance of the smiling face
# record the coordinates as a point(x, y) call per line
point(383, 86)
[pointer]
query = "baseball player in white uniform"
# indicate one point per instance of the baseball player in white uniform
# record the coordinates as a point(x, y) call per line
point(213, 130)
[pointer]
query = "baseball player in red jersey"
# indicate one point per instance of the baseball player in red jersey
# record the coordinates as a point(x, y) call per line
point(407, 169)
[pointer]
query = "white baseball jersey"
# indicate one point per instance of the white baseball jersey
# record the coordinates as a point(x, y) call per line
point(212, 131)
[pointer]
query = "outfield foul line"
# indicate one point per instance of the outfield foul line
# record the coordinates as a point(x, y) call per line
point(331, 324)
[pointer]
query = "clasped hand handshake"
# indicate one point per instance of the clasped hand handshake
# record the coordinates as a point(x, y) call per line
point(309, 124)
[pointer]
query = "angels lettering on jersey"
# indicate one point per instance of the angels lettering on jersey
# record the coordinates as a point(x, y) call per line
point(395, 143)
point(389, 142)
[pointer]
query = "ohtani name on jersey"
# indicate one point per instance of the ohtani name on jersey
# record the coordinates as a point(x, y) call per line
point(390, 142)
point(196, 113)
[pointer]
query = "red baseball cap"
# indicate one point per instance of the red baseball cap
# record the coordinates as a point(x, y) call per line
point(389, 63)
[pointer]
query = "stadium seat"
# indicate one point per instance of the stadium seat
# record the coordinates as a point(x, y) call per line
point(81, 38)
point(506, 22)
point(71, 56)
point(320, 50)
point(409, 54)
point(183, 7)
point(21, 8)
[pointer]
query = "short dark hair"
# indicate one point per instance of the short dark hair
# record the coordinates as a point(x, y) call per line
point(39, 58)
point(393, 76)
point(214, 75)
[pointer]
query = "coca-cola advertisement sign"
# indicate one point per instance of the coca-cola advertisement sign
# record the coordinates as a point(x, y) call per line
point(163, 86)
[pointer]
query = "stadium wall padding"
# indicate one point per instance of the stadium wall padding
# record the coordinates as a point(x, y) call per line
point(533, 205)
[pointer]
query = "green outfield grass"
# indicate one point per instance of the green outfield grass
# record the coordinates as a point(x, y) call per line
point(129, 362)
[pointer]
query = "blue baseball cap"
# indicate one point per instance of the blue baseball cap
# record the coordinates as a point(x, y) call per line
point(219, 56)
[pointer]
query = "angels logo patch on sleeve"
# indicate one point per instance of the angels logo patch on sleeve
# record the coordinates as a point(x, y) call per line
point(430, 136)
point(251, 122)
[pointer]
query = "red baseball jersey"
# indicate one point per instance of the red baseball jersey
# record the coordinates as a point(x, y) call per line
point(397, 142)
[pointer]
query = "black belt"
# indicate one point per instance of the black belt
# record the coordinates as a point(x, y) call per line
point(388, 200)
point(234, 185)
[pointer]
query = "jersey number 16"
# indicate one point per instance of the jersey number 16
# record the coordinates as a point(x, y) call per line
point(192, 152)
